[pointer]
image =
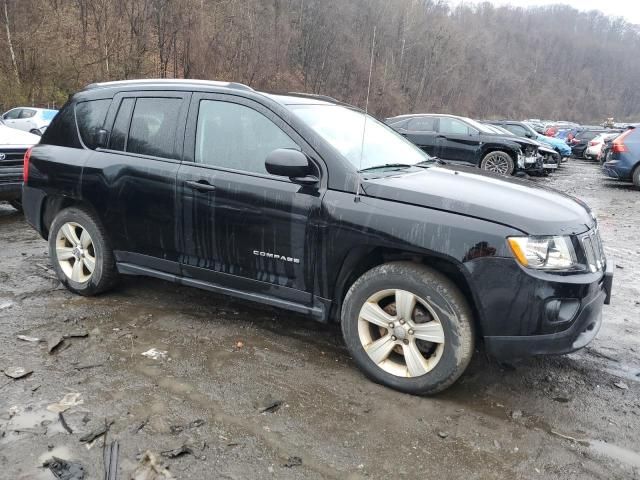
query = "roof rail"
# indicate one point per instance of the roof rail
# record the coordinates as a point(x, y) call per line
point(315, 95)
point(169, 81)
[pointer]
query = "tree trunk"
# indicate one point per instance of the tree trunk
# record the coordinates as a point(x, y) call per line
point(10, 43)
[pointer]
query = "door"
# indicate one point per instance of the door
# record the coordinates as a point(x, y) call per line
point(422, 132)
point(242, 227)
point(457, 141)
point(132, 180)
point(26, 119)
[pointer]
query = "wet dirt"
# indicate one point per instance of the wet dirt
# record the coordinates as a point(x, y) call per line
point(555, 417)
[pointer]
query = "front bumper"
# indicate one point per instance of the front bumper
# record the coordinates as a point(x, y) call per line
point(525, 313)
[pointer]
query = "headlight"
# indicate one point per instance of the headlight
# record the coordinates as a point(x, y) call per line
point(545, 253)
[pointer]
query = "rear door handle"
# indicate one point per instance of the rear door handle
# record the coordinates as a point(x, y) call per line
point(201, 185)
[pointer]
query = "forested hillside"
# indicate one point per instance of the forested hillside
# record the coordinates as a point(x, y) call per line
point(483, 61)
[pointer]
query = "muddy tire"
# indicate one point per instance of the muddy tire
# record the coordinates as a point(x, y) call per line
point(498, 162)
point(408, 327)
point(80, 252)
point(17, 204)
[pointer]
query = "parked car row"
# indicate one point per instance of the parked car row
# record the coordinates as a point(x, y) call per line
point(28, 119)
point(490, 146)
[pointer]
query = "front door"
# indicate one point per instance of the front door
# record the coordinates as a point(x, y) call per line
point(242, 227)
point(457, 141)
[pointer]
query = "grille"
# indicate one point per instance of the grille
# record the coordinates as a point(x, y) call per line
point(593, 251)
point(11, 165)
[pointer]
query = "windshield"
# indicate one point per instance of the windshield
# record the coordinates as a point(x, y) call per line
point(342, 127)
point(478, 125)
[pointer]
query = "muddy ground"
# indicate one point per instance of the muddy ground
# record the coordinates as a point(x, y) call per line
point(570, 417)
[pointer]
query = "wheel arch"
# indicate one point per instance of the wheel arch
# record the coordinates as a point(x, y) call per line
point(490, 148)
point(361, 259)
point(54, 204)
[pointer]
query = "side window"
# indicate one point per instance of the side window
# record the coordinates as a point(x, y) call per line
point(421, 124)
point(27, 113)
point(63, 131)
point(517, 130)
point(90, 117)
point(235, 136)
point(153, 127)
point(12, 114)
point(453, 126)
point(118, 137)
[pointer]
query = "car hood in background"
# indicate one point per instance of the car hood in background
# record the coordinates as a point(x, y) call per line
point(556, 143)
point(531, 209)
point(16, 138)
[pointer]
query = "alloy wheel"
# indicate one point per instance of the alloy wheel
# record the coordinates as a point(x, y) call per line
point(75, 252)
point(401, 333)
point(497, 164)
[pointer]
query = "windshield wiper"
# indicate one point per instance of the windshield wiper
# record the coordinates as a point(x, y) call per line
point(387, 165)
point(431, 161)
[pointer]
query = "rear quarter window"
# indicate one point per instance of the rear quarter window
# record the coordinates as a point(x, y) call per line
point(90, 118)
point(62, 131)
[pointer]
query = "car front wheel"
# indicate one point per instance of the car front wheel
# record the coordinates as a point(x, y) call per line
point(80, 252)
point(498, 162)
point(408, 327)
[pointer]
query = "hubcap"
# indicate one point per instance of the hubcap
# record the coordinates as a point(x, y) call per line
point(75, 252)
point(497, 165)
point(401, 333)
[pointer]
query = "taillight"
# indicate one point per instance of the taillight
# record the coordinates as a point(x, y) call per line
point(618, 143)
point(25, 165)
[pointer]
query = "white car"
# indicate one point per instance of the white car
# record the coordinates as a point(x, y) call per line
point(32, 120)
point(13, 145)
point(594, 147)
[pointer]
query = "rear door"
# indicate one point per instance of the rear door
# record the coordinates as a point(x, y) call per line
point(241, 226)
point(457, 141)
point(422, 132)
point(132, 180)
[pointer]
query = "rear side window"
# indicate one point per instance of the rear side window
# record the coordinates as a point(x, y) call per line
point(453, 126)
point(517, 130)
point(90, 117)
point(27, 113)
point(118, 139)
point(153, 127)
point(421, 124)
point(63, 131)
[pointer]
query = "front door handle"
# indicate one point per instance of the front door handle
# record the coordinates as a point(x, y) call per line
point(201, 185)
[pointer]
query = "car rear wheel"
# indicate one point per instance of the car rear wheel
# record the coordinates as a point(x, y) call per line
point(498, 162)
point(80, 252)
point(408, 327)
point(635, 176)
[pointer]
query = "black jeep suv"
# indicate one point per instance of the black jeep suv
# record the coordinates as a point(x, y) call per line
point(465, 141)
point(307, 204)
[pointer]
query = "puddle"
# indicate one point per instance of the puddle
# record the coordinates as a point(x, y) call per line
point(32, 421)
point(628, 457)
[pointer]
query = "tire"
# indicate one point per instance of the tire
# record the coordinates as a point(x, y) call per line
point(441, 362)
point(498, 162)
point(635, 176)
point(73, 256)
point(17, 204)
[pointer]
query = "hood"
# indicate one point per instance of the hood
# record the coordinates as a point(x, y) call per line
point(12, 137)
point(517, 141)
point(516, 203)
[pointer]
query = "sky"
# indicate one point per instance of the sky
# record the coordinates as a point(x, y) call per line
point(629, 9)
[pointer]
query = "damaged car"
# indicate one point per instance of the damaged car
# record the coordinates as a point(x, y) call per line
point(306, 204)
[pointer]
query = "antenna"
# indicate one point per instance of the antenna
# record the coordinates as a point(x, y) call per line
point(366, 110)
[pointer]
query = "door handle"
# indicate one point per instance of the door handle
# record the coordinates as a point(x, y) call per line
point(201, 185)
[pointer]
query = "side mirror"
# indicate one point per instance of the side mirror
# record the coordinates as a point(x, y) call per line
point(101, 138)
point(294, 164)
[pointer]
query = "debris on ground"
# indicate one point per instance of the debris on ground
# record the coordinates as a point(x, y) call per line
point(98, 432)
point(621, 385)
point(177, 452)
point(27, 338)
point(68, 401)
point(17, 372)
point(269, 405)
point(293, 462)
point(180, 428)
point(64, 469)
point(155, 354)
point(562, 399)
point(239, 344)
point(443, 434)
point(150, 468)
point(91, 365)
point(516, 414)
point(140, 426)
point(110, 459)
point(585, 443)
point(56, 340)
point(64, 423)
